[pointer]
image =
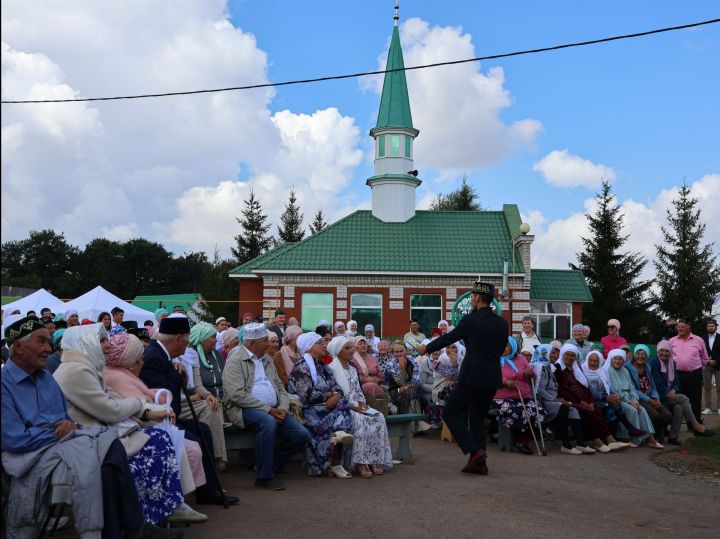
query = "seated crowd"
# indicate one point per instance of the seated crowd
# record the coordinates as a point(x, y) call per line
point(136, 416)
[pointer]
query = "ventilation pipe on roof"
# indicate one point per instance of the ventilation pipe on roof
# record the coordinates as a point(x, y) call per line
point(504, 291)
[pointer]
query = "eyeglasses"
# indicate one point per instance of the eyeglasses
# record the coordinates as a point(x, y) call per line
point(612, 327)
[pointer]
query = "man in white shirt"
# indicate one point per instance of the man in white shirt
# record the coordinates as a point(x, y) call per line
point(528, 335)
point(256, 399)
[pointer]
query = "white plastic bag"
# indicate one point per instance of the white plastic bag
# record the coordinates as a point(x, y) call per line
point(176, 435)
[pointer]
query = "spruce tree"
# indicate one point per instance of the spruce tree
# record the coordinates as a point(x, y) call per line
point(613, 276)
point(253, 239)
point(688, 277)
point(291, 219)
point(462, 199)
point(318, 222)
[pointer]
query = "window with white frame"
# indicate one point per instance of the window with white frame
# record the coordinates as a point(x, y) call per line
point(552, 319)
point(366, 309)
point(427, 310)
point(316, 307)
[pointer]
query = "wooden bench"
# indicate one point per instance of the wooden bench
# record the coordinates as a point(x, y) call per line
point(401, 426)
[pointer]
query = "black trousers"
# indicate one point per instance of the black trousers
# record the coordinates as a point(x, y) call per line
point(465, 410)
point(192, 432)
point(121, 505)
point(691, 385)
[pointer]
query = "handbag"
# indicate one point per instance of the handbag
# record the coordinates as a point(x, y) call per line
point(176, 435)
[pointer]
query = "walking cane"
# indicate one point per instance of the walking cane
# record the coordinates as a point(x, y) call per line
point(542, 436)
point(205, 446)
point(529, 422)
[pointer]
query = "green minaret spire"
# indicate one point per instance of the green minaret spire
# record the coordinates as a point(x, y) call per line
point(394, 103)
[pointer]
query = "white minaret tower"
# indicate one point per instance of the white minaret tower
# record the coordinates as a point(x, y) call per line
point(395, 180)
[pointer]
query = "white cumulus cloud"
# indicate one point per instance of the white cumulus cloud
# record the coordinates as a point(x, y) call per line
point(458, 109)
point(556, 243)
point(563, 169)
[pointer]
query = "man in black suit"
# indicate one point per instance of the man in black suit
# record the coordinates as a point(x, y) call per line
point(485, 335)
point(712, 369)
point(159, 371)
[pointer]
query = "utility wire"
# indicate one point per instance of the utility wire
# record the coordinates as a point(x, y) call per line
point(368, 73)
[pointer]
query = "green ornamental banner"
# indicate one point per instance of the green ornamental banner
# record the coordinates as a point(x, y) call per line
point(463, 306)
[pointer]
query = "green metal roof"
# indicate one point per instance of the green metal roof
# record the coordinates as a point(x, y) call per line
point(559, 285)
point(461, 242)
point(395, 103)
point(167, 301)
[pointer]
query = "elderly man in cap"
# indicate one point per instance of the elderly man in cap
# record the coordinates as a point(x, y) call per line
point(39, 439)
point(485, 335)
point(578, 339)
point(690, 355)
point(256, 399)
point(160, 370)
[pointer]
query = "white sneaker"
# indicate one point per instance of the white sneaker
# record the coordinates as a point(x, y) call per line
point(587, 450)
point(422, 426)
point(185, 513)
point(708, 411)
point(615, 446)
point(604, 449)
point(570, 451)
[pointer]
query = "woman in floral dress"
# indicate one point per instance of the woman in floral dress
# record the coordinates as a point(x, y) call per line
point(402, 376)
point(326, 411)
point(371, 452)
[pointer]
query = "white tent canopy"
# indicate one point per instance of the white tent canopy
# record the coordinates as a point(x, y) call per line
point(97, 300)
point(34, 302)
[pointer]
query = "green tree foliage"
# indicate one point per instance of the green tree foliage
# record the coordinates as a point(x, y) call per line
point(462, 199)
point(613, 276)
point(43, 260)
point(216, 287)
point(291, 229)
point(253, 239)
point(688, 277)
point(318, 222)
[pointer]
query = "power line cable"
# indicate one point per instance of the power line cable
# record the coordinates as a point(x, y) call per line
point(368, 73)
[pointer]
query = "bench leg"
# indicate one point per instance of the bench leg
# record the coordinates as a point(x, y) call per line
point(405, 444)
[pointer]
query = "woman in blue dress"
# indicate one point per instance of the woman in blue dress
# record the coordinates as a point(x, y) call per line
point(327, 412)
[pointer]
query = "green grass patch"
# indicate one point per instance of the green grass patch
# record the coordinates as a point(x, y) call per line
point(707, 447)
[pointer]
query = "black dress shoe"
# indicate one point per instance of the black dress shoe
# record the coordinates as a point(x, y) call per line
point(706, 432)
point(523, 449)
point(674, 441)
point(216, 499)
point(269, 484)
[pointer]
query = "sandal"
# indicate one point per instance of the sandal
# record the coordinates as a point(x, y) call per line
point(365, 471)
point(340, 472)
point(376, 470)
point(656, 445)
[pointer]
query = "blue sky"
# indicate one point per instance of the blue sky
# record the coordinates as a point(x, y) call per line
point(540, 131)
point(648, 107)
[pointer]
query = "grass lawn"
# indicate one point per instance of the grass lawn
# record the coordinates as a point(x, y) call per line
point(707, 447)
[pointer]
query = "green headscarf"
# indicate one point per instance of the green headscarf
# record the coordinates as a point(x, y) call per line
point(159, 313)
point(620, 380)
point(643, 347)
point(198, 333)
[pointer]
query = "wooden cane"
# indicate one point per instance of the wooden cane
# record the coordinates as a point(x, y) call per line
point(529, 422)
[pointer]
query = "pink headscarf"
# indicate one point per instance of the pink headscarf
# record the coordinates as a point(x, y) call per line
point(359, 361)
point(668, 367)
point(290, 356)
point(125, 350)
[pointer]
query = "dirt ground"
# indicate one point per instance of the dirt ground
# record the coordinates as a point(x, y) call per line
point(621, 494)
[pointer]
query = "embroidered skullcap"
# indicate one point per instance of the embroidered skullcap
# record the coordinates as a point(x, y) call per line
point(255, 331)
point(221, 319)
point(21, 328)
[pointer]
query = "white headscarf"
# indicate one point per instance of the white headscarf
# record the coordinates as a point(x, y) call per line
point(617, 352)
point(337, 344)
point(348, 331)
point(304, 343)
point(577, 371)
point(443, 323)
point(598, 374)
point(86, 341)
point(337, 325)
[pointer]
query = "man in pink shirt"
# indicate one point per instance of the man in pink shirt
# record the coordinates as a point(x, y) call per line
point(690, 355)
point(612, 340)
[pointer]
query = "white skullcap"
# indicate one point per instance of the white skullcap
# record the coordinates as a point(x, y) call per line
point(221, 319)
point(177, 315)
point(527, 347)
point(255, 331)
point(306, 341)
point(71, 311)
point(324, 323)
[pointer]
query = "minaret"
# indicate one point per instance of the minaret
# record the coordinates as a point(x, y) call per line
point(393, 186)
